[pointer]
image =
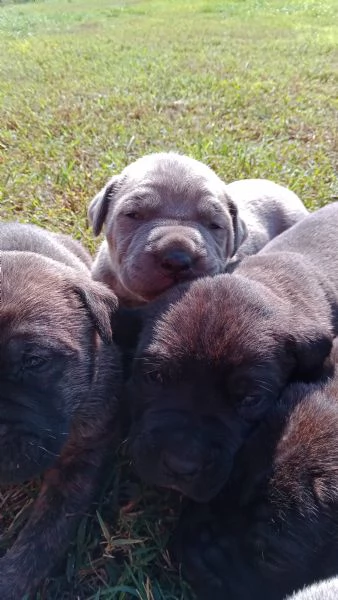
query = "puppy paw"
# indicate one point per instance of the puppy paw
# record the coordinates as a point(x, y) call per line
point(202, 556)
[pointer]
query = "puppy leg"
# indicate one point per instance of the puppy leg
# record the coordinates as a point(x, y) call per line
point(211, 560)
point(247, 557)
point(67, 489)
point(187, 549)
point(66, 494)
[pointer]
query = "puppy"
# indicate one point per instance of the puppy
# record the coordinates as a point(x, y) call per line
point(169, 218)
point(324, 590)
point(59, 386)
point(274, 527)
point(213, 355)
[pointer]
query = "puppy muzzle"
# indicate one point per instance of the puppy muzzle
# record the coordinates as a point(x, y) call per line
point(169, 451)
point(31, 434)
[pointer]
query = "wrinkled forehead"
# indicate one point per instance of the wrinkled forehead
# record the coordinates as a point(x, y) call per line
point(33, 297)
point(22, 336)
point(29, 276)
point(215, 320)
point(176, 174)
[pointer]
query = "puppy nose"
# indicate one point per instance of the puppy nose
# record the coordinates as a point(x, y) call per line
point(180, 467)
point(176, 260)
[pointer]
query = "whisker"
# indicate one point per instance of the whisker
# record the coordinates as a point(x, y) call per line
point(48, 451)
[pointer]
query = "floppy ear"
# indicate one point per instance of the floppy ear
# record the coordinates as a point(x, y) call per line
point(239, 227)
point(310, 350)
point(100, 304)
point(98, 208)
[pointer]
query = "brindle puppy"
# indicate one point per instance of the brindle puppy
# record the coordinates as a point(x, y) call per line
point(59, 384)
point(214, 355)
point(274, 527)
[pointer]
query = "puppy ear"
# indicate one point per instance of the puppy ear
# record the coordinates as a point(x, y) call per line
point(127, 325)
point(310, 351)
point(100, 304)
point(239, 227)
point(98, 208)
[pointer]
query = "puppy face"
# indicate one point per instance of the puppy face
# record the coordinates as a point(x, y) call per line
point(49, 319)
point(167, 219)
point(211, 361)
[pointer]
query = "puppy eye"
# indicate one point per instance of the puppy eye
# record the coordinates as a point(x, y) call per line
point(34, 362)
point(251, 406)
point(154, 377)
point(215, 226)
point(134, 215)
point(251, 401)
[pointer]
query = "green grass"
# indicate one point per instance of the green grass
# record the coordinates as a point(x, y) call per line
point(248, 86)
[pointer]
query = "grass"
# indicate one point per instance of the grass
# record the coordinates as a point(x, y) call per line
point(248, 86)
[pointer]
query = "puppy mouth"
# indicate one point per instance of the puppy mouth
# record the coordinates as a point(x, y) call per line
point(26, 451)
point(166, 281)
point(200, 481)
point(145, 282)
point(161, 285)
point(25, 457)
point(185, 276)
point(201, 488)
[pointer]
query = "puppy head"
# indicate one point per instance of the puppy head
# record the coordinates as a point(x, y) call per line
point(51, 318)
point(168, 218)
point(212, 359)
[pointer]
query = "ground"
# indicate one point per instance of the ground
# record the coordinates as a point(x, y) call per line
point(87, 86)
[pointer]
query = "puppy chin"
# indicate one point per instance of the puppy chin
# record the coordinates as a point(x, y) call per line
point(200, 490)
point(134, 284)
point(199, 493)
point(145, 289)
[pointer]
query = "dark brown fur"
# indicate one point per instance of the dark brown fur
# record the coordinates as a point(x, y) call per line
point(214, 355)
point(59, 386)
point(210, 419)
point(274, 527)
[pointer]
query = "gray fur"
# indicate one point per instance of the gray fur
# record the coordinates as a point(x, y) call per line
point(169, 202)
point(323, 590)
point(31, 238)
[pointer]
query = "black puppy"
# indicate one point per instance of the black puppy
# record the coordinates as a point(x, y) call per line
point(215, 354)
point(60, 380)
point(274, 526)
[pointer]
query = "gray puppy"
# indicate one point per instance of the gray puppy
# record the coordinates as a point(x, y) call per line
point(324, 590)
point(59, 384)
point(169, 218)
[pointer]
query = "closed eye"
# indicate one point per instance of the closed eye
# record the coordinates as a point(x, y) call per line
point(215, 226)
point(134, 215)
point(253, 406)
point(34, 362)
point(251, 401)
point(154, 377)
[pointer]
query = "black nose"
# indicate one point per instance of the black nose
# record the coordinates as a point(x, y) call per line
point(176, 260)
point(180, 467)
